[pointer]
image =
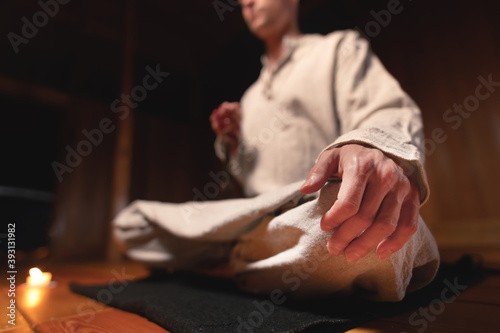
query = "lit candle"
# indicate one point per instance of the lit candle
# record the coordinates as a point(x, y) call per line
point(38, 278)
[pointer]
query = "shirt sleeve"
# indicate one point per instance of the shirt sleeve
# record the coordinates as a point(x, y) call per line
point(373, 109)
point(234, 164)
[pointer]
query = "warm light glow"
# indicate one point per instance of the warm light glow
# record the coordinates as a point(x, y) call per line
point(33, 297)
point(38, 278)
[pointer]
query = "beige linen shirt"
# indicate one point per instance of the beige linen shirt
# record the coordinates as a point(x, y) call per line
point(326, 91)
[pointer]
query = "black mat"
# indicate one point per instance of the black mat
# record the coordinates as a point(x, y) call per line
point(183, 303)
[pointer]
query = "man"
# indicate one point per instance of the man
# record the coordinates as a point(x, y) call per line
point(354, 226)
point(376, 197)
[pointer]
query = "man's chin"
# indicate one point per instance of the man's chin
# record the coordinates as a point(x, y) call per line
point(260, 31)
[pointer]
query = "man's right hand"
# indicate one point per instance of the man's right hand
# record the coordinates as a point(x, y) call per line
point(225, 121)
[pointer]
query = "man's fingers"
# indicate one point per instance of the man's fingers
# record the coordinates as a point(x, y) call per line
point(352, 223)
point(376, 220)
point(225, 120)
point(324, 168)
point(407, 226)
point(384, 225)
point(350, 197)
point(376, 203)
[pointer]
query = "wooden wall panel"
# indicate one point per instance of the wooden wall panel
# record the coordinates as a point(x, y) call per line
point(438, 50)
point(81, 213)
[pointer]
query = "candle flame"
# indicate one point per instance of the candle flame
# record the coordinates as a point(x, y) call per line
point(36, 273)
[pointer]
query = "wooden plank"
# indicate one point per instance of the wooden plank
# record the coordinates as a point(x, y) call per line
point(483, 294)
point(44, 304)
point(383, 326)
point(23, 329)
point(122, 168)
point(59, 310)
point(111, 321)
point(492, 281)
point(83, 212)
point(473, 311)
point(457, 316)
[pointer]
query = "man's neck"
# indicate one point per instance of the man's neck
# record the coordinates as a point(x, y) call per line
point(274, 46)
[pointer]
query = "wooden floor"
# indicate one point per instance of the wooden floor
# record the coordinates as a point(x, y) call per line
point(57, 309)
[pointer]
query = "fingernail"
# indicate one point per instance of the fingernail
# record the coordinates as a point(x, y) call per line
point(334, 250)
point(352, 256)
point(306, 183)
point(310, 180)
point(324, 225)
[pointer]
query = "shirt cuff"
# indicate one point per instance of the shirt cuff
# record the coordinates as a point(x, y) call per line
point(220, 149)
point(403, 152)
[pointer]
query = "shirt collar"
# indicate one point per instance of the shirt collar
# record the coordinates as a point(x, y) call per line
point(290, 43)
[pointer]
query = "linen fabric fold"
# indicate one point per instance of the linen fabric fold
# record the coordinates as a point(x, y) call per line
point(273, 242)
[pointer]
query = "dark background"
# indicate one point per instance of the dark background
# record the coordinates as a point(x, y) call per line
point(65, 79)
